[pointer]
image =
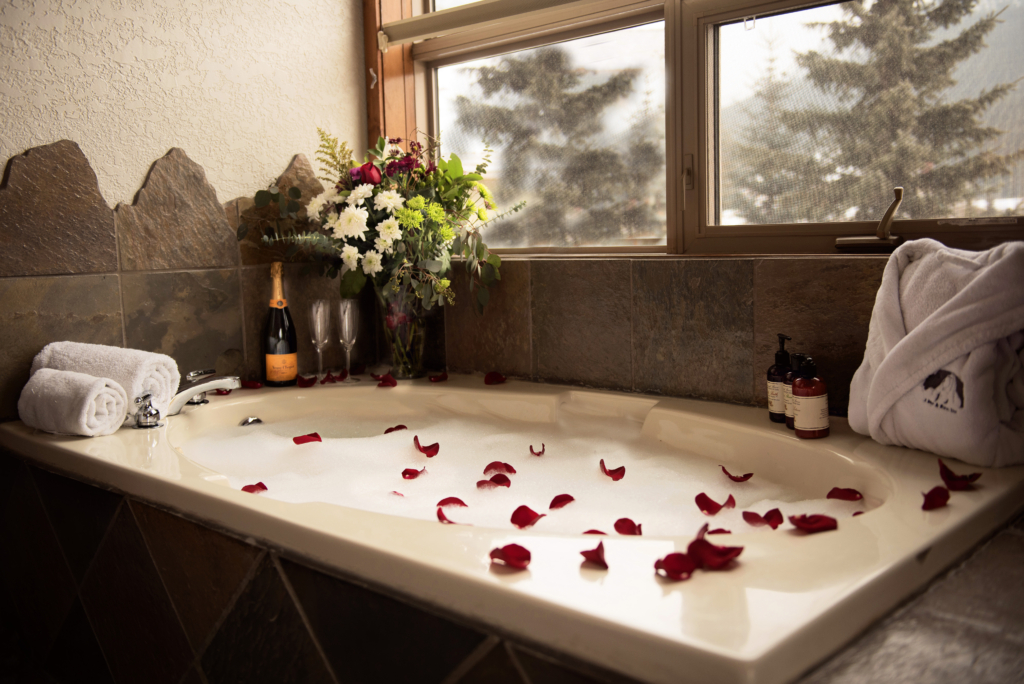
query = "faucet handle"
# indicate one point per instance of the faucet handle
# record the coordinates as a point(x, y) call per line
point(192, 376)
point(147, 415)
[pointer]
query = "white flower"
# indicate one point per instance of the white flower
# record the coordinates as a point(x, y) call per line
point(332, 222)
point(350, 256)
point(393, 150)
point(383, 245)
point(351, 223)
point(359, 193)
point(316, 204)
point(372, 263)
point(389, 199)
point(390, 230)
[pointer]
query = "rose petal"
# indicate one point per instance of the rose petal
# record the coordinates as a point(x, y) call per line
point(387, 381)
point(430, 451)
point(936, 498)
point(499, 467)
point(251, 384)
point(627, 526)
point(494, 378)
point(451, 501)
point(305, 439)
point(596, 532)
point(398, 493)
point(497, 480)
point(772, 517)
point(439, 378)
point(223, 392)
point(675, 566)
point(729, 503)
point(595, 556)
point(954, 482)
point(377, 377)
point(813, 523)
point(255, 488)
point(719, 530)
point(844, 494)
point(511, 555)
point(412, 473)
point(616, 474)
point(342, 375)
point(710, 557)
point(524, 517)
point(395, 429)
point(305, 382)
point(709, 506)
point(560, 501)
point(537, 453)
point(857, 513)
point(737, 478)
point(444, 518)
point(328, 379)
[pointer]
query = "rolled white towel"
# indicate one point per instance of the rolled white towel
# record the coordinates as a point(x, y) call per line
point(136, 371)
point(69, 403)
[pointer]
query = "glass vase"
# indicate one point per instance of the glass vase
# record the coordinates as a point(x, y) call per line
point(405, 323)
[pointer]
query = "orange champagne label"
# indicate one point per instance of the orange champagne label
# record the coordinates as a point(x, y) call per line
point(282, 367)
point(278, 303)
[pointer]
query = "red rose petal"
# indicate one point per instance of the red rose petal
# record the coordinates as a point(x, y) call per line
point(342, 375)
point(451, 501)
point(305, 439)
point(596, 532)
point(387, 381)
point(255, 488)
point(595, 556)
point(675, 566)
point(499, 467)
point(627, 526)
point(444, 518)
point(377, 377)
point(936, 498)
point(844, 494)
point(494, 378)
point(395, 429)
point(223, 392)
point(328, 379)
point(729, 503)
point(412, 473)
point(813, 523)
point(616, 474)
point(772, 517)
point(430, 451)
point(251, 384)
point(857, 513)
point(524, 517)
point(710, 557)
point(511, 555)
point(536, 453)
point(305, 382)
point(439, 378)
point(497, 480)
point(719, 530)
point(560, 501)
point(709, 506)
point(398, 493)
point(737, 478)
point(956, 483)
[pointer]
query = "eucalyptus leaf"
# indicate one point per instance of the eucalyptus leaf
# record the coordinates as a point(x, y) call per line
point(483, 296)
point(273, 190)
point(243, 230)
point(294, 193)
point(262, 198)
point(494, 260)
point(293, 207)
point(352, 284)
point(432, 265)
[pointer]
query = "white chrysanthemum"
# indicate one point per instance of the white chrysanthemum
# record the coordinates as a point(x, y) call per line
point(350, 257)
point(389, 199)
point(372, 263)
point(359, 193)
point(332, 222)
point(382, 245)
point(317, 204)
point(351, 223)
point(390, 230)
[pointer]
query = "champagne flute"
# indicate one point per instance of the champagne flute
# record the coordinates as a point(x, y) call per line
point(320, 331)
point(348, 326)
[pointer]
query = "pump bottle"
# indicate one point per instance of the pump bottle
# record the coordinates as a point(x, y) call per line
point(810, 402)
point(776, 382)
point(795, 359)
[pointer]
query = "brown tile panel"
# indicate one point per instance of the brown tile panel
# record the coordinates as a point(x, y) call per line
point(263, 638)
point(37, 311)
point(581, 322)
point(494, 668)
point(194, 317)
point(33, 571)
point(52, 216)
point(301, 287)
point(692, 328)
point(369, 637)
point(825, 306)
point(129, 610)
point(499, 339)
point(76, 655)
point(544, 669)
point(80, 515)
point(175, 220)
point(201, 568)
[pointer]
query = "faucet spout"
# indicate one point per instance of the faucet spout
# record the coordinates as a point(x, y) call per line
point(189, 390)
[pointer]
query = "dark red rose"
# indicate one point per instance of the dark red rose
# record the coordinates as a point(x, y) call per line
point(368, 173)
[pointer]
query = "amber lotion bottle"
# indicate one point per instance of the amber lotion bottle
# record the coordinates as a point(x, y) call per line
point(795, 359)
point(810, 402)
point(282, 360)
point(776, 382)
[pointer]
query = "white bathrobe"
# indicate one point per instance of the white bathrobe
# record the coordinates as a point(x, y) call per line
point(944, 366)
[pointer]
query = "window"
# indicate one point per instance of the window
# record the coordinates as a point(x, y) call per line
point(774, 127)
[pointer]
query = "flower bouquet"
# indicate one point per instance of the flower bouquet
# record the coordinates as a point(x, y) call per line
point(396, 221)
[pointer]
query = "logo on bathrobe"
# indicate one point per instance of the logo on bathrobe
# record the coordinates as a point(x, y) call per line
point(944, 390)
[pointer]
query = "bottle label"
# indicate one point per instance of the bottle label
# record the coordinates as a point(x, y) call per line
point(787, 392)
point(278, 303)
point(810, 413)
point(282, 367)
point(776, 397)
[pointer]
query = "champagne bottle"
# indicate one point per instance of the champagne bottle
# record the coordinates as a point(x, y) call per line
point(282, 360)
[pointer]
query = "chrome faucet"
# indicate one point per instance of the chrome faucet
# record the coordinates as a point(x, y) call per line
point(193, 388)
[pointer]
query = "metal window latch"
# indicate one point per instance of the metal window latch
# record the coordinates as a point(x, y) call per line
point(382, 41)
point(882, 239)
point(147, 415)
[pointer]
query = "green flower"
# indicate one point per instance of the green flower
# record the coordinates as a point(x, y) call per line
point(416, 203)
point(482, 189)
point(409, 218)
point(481, 214)
point(441, 285)
point(446, 233)
point(435, 212)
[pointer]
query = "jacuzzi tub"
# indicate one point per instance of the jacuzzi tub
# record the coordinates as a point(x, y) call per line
point(789, 601)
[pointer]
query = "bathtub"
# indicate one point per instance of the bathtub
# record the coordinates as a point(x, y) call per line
point(786, 603)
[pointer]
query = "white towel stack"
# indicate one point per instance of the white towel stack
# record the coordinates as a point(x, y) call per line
point(69, 403)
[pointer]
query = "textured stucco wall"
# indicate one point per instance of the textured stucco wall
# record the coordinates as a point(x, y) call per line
point(240, 85)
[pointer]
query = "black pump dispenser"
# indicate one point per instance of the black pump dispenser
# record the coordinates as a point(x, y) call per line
point(782, 356)
point(776, 376)
point(808, 369)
